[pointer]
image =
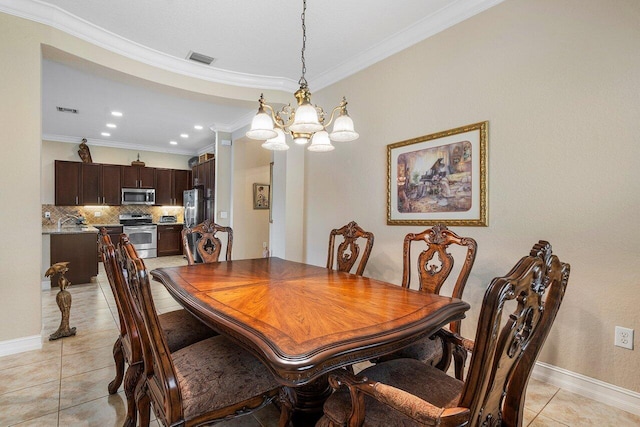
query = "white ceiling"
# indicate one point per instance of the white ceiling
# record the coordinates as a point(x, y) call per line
point(255, 44)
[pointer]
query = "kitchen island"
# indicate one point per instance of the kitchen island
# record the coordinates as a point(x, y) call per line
point(76, 244)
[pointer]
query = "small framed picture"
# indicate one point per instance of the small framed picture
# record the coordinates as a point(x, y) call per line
point(261, 196)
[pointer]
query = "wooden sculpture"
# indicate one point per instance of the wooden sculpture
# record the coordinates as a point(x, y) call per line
point(63, 299)
point(84, 152)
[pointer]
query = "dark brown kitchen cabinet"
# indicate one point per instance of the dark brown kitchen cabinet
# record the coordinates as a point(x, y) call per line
point(169, 240)
point(111, 179)
point(100, 184)
point(204, 176)
point(67, 183)
point(79, 249)
point(170, 184)
point(138, 177)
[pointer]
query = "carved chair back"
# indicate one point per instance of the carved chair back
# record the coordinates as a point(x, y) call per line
point(436, 262)
point(127, 348)
point(348, 250)
point(129, 334)
point(507, 344)
point(206, 242)
point(161, 383)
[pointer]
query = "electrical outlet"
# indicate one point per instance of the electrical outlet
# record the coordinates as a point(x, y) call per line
point(97, 213)
point(47, 215)
point(624, 337)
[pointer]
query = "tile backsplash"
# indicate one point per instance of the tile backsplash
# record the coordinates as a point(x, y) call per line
point(108, 215)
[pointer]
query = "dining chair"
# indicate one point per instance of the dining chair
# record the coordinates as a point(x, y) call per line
point(434, 265)
point(209, 381)
point(179, 327)
point(201, 243)
point(348, 249)
point(406, 392)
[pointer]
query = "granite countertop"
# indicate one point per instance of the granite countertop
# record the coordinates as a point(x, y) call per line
point(75, 229)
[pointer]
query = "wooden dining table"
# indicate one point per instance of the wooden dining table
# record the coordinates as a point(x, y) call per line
point(303, 321)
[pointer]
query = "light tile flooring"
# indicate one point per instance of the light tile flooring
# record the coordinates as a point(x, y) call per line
point(65, 383)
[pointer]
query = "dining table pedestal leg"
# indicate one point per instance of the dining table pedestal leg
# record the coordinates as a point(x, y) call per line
point(309, 399)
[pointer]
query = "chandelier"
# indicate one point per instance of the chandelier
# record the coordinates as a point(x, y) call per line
point(304, 124)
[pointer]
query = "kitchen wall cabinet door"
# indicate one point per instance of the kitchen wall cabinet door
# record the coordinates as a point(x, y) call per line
point(169, 240)
point(181, 182)
point(91, 188)
point(67, 183)
point(100, 184)
point(170, 184)
point(138, 177)
point(204, 175)
point(164, 187)
point(111, 178)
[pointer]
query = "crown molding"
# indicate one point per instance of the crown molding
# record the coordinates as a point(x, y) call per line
point(62, 20)
point(119, 144)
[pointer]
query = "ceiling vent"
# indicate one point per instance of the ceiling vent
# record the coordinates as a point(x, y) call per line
point(198, 57)
point(67, 110)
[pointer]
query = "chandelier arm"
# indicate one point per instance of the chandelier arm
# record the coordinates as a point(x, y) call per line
point(332, 116)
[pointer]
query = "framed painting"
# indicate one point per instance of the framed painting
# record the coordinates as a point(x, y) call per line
point(439, 178)
point(261, 196)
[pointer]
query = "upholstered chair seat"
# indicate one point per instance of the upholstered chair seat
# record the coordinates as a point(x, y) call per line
point(424, 382)
point(216, 373)
point(182, 329)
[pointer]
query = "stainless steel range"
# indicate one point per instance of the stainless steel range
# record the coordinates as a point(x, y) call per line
point(142, 233)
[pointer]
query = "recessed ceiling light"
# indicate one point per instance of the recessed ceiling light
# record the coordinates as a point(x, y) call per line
point(116, 113)
point(111, 125)
point(197, 127)
point(184, 135)
point(173, 142)
point(105, 134)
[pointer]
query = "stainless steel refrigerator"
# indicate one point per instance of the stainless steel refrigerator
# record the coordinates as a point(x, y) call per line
point(193, 207)
point(196, 209)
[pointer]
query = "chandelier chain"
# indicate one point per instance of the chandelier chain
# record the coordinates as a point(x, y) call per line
point(303, 81)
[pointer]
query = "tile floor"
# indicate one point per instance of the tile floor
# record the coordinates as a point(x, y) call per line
point(65, 383)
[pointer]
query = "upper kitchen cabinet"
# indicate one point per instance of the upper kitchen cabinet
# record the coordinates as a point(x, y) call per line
point(204, 176)
point(170, 184)
point(138, 177)
point(100, 184)
point(79, 183)
point(67, 183)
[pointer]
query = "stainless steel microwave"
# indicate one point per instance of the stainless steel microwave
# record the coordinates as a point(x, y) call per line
point(138, 196)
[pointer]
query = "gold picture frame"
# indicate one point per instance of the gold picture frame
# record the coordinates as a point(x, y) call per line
point(439, 178)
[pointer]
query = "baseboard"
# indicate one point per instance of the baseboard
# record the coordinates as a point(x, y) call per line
point(19, 345)
point(597, 390)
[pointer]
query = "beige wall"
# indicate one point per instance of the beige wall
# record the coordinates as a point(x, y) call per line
point(558, 82)
point(52, 151)
point(20, 178)
point(250, 226)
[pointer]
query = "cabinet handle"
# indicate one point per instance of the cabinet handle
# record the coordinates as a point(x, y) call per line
point(76, 200)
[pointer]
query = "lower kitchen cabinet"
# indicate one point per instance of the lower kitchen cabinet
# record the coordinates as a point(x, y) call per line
point(169, 240)
point(79, 249)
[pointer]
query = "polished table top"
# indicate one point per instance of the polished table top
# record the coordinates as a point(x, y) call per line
point(303, 320)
